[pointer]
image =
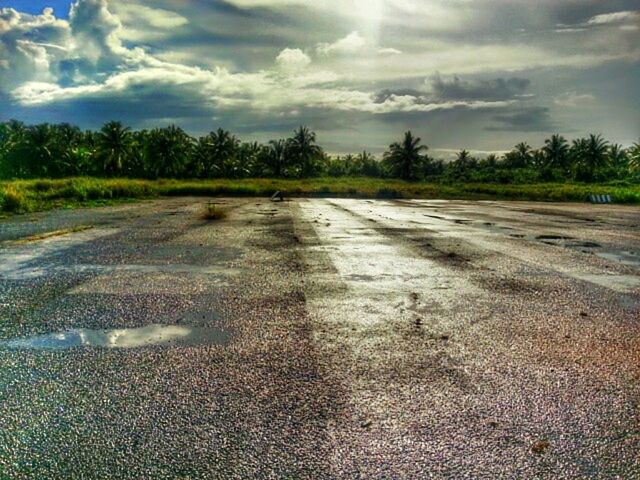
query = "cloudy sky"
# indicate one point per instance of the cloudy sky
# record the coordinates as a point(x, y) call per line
point(479, 74)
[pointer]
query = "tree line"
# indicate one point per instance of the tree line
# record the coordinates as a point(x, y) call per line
point(63, 150)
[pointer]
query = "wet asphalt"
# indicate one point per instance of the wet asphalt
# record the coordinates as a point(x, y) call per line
point(324, 338)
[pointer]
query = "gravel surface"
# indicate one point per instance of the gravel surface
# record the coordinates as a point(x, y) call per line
point(362, 339)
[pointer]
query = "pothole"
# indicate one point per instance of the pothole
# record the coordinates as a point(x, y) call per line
point(552, 237)
point(583, 245)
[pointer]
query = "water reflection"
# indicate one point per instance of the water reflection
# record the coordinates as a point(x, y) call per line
point(123, 338)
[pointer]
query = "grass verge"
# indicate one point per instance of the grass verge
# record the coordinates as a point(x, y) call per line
point(44, 236)
point(23, 196)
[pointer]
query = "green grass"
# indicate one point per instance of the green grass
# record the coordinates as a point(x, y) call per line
point(23, 196)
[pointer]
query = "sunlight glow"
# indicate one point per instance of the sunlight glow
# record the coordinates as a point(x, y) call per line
point(370, 16)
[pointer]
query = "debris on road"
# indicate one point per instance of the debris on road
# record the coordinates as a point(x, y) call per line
point(540, 447)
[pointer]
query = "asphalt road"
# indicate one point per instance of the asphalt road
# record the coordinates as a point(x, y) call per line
point(326, 338)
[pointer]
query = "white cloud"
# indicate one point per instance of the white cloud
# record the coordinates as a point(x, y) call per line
point(433, 14)
point(616, 17)
point(155, 17)
point(144, 23)
point(23, 57)
point(220, 89)
point(562, 29)
point(293, 59)
point(352, 43)
point(95, 30)
point(389, 51)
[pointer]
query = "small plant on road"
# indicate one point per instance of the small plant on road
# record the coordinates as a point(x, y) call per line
point(213, 212)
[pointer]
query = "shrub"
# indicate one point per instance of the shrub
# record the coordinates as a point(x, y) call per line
point(386, 192)
point(14, 201)
point(213, 212)
point(43, 185)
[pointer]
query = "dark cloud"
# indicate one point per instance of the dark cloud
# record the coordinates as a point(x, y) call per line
point(383, 95)
point(572, 12)
point(457, 89)
point(528, 119)
point(137, 108)
point(489, 90)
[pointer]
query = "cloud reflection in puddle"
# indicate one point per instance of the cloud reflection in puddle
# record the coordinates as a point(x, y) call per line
point(168, 335)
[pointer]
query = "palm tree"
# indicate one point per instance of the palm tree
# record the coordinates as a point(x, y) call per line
point(248, 155)
point(520, 157)
point(556, 151)
point(404, 157)
point(462, 157)
point(366, 164)
point(12, 134)
point(225, 144)
point(577, 150)
point(70, 155)
point(365, 157)
point(634, 157)
point(225, 151)
point(168, 151)
point(114, 145)
point(216, 152)
point(350, 166)
point(277, 156)
point(12, 140)
point(303, 149)
point(588, 155)
point(597, 148)
point(618, 158)
point(595, 155)
point(491, 161)
point(40, 149)
point(335, 167)
point(463, 163)
point(138, 162)
point(201, 157)
point(523, 148)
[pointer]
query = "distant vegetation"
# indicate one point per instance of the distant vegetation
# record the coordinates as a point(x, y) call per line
point(59, 151)
point(22, 196)
point(46, 166)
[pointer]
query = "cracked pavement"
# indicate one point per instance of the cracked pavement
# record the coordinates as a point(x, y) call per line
point(321, 338)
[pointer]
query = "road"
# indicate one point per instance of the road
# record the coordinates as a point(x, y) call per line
point(321, 338)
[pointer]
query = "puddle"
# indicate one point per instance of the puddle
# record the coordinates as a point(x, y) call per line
point(631, 259)
point(359, 278)
point(621, 283)
point(552, 237)
point(611, 254)
point(492, 227)
point(583, 245)
point(167, 335)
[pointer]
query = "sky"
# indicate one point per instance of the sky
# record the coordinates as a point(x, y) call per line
point(476, 74)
